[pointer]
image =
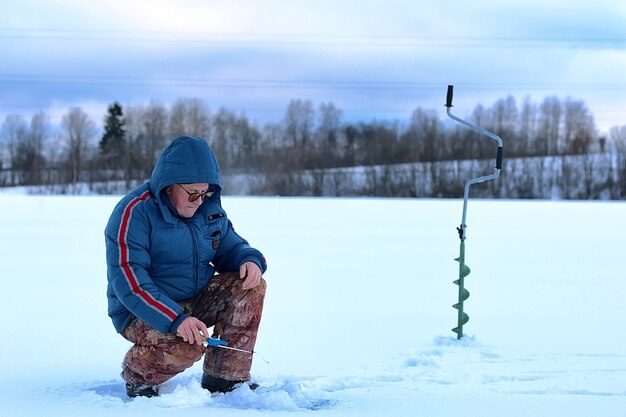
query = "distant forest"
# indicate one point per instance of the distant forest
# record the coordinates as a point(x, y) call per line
point(552, 150)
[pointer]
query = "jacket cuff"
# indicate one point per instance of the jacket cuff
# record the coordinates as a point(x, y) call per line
point(259, 262)
point(181, 317)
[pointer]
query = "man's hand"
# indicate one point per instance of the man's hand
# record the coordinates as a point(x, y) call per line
point(192, 331)
point(251, 274)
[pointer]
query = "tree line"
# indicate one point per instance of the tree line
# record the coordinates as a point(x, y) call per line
point(308, 139)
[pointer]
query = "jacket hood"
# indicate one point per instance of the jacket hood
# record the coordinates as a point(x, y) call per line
point(186, 160)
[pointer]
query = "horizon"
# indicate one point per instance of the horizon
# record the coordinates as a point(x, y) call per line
point(98, 113)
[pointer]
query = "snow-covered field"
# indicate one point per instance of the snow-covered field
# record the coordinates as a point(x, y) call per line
point(358, 312)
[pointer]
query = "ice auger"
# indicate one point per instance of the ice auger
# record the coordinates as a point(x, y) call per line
point(462, 317)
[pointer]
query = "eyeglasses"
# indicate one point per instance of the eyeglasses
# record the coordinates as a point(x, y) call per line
point(194, 196)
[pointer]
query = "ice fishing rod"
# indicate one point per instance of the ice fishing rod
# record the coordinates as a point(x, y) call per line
point(215, 342)
point(219, 343)
point(464, 270)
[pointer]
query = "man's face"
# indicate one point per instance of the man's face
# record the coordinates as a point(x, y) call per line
point(186, 198)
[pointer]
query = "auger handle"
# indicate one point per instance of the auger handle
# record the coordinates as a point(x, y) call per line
point(499, 158)
point(476, 180)
point(449, 96)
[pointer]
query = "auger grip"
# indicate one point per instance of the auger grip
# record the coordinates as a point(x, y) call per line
point(449, 96)
point(499, 158)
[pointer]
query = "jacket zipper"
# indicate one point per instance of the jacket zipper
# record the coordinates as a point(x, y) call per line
point(195, 252)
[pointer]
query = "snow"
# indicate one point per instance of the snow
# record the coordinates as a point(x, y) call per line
point(358, 312)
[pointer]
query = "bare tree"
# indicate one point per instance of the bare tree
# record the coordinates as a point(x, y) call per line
point(328, 131)
point(578, 126)
point(527, 132)
point(54, 153)
point(223, 136)
point(26, 144)
point(198, 118)
point(79, 131)
point(473, 144)
point(375, 143)
point(351, 133)
point(299, 119)
point(178, 114)
point(135, 140)
point(505, 121)
point(423, 136)
point(617, 137)
point(37, 138)
point(14, 132)
point(247, 138)
point(550, 112)
point(191, 117)
point(273, 136)
point(154, 134)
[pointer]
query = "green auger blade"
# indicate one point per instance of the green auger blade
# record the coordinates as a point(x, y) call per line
point(464, 318)
point(464, 270)
point(463, 295)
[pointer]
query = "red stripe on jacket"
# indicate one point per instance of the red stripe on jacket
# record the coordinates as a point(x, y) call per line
point(128, 272)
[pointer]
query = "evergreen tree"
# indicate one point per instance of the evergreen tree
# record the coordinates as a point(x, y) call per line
point(113, 142)
point(114, 136)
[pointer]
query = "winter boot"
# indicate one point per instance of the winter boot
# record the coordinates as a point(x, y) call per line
point(214, 384)
point(141, 390)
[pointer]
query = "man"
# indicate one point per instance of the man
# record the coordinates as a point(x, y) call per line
point(165, 242)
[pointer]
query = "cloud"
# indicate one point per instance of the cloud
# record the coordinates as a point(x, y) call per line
point(372, 58)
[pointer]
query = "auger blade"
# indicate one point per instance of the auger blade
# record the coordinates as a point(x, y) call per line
point(459, 330)
point(463, 295)
point(464, 318)
point(464, 270)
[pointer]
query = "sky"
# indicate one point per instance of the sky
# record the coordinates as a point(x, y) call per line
point(372, 59)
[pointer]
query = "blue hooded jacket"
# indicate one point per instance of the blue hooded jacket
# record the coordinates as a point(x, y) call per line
point(155, 258)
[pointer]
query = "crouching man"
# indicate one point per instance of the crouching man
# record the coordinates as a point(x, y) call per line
point(175, 267)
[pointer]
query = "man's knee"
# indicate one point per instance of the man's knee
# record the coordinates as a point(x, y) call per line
point(169, 356)
point(182, 354)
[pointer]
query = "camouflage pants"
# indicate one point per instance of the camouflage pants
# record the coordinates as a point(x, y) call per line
point(236, 313)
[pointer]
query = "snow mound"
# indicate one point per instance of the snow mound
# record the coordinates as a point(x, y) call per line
point(187, 392)
point(283, 396)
